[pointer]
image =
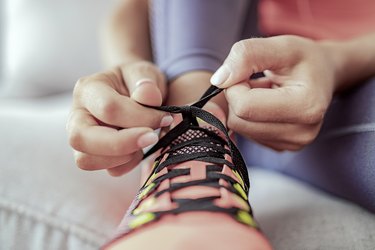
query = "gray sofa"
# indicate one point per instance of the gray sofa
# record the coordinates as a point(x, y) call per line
point(48, 203)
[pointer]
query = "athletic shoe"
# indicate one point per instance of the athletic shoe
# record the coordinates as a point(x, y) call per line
point(196, 196)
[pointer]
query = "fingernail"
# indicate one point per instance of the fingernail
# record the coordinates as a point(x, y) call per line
point(137, 92)
point(166, 121)
point(267, 73)
point(220, 76)
point(147, 139)
point(144, 81)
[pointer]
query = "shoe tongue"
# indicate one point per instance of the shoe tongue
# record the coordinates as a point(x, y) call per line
point(192, 134)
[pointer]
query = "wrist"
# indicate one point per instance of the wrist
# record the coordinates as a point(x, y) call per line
point(336, 55)
point(189, 87)
point(351, 60)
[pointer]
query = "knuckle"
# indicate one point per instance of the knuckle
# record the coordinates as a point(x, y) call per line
point(313, 115)
point(239, 47)
point(75, 138)
point(232, 122)
point(295, 147)
point(84, 161)
point(246, 52)
point(108, 110)
point(305, 139)
point(239, 52)
point(115, 172)
point(81, 82)
point(241, 110)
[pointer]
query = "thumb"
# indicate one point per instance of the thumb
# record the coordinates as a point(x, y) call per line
point(247, 57)
point(145, 82)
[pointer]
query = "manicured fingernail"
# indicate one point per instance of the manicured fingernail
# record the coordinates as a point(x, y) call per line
point(137, 92)
point(166, 121)
point(220, 76)
point(147, 139)
point(144, 81)
point(268, 73)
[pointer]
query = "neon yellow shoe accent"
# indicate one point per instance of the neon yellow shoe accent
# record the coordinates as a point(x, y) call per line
point(245, 205)
point(238, 177)
point(141, 219)
point(200, 121)
point(152, 177)
point(146, 190)
point(240, 190)
point(144, 205)
point(246, 218)
point(154, 165)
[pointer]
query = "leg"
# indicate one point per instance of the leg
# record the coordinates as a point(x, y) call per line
point(188, 38)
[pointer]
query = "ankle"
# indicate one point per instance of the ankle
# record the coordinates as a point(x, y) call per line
point(190, 86)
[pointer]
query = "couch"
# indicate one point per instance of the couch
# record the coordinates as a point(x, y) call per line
point(46, 202)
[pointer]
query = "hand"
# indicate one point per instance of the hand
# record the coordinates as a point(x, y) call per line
point(107, 127)
point(285, 109)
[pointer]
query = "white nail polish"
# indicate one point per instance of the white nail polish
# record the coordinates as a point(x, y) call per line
point(220, 76)
point(144, 81)
point(166, 121)
point(147, 139)
point(268, 73)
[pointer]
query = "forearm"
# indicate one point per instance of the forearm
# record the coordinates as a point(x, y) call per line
point(126, 33)
point(353, 60)
point(191, 38)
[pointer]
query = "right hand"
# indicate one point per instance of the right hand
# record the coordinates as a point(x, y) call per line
point(107, 126)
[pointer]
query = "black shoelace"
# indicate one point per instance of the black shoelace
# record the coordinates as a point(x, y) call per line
point(187, 142)
point(190, 115)
point(190, 142)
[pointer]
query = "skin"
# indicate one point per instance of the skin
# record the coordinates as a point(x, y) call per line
point(107, 126)
point(302, 75)
point(106, 129)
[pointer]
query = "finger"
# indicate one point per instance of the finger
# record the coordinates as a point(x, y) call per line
point(288, 104)
point(112, 108)
point(251, 56)
point(261, 83)
point(95, 162)
point(86, 136)
point(280, 146)
point(274, 132)
point(127, 167)
point(145, 82)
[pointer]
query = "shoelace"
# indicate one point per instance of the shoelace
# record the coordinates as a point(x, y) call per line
point(190, 115)
point(190, 142)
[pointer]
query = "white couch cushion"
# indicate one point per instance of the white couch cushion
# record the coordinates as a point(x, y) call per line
point(296, 216)
point(47, 45)
point(48, 203)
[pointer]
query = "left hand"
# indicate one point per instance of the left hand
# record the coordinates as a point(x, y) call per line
point(285, 109)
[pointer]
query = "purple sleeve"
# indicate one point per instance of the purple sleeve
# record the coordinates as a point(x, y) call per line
point(190, 35)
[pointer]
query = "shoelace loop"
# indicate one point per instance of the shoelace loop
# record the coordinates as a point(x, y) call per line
point(190, 114)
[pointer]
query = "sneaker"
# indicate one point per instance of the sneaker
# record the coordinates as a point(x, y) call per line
point(196, 195)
